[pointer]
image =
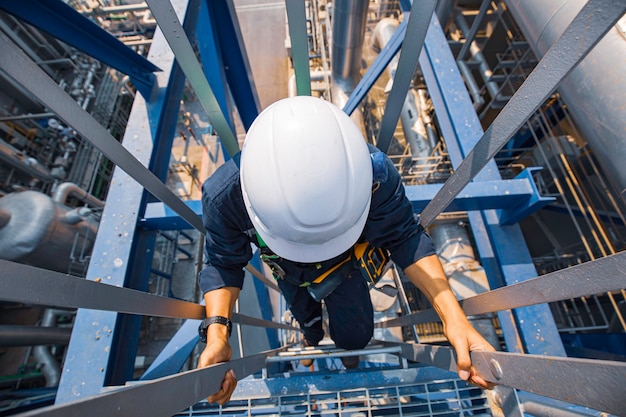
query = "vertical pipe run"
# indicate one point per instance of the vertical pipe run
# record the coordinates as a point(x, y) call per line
point(595, 92)
point(349, 21)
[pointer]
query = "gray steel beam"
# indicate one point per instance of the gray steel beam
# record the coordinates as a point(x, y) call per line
point(591, 383)
point(595, 19)
point(593, 277)
point(31, 285)
point(159, 397)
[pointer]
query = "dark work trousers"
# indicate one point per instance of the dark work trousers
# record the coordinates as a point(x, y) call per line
point(350, 312)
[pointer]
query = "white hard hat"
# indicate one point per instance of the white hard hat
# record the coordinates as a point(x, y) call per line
point(306, 177)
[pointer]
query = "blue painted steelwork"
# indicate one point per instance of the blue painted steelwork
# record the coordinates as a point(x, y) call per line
point(502, 249)
point(174, 355)
point(223, 18)
point(63, 22)
point(102, 343)
point(264, 303)
point(515, 198)
point(517, 213)
point(159, 216)
point(212, 64)
point(378, 66)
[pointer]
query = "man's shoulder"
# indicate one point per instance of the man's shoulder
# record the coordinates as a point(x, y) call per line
point(223, 183)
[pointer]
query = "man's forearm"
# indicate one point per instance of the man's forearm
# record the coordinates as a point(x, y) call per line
point(220, 302)
point(427, 274)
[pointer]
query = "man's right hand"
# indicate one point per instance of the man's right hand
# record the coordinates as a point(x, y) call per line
point(218, 350)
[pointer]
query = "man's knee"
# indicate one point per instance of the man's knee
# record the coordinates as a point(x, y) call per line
point(356, 337)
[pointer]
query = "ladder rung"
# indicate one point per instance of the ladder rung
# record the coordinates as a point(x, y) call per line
point(316, 352)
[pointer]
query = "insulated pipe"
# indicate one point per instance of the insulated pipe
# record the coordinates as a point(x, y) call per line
point(483, 67)
point(5, 217)
point(67, 189)
point(595, 92)
point(50, 367)
point(40, 232)
point(33, 335)
point(316, 76)
point(349, 18)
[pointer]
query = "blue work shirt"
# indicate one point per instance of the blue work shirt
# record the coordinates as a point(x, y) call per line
point(390, 225)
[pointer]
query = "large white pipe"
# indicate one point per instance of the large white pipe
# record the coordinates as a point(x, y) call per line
point(595, 91)
point(38, 231)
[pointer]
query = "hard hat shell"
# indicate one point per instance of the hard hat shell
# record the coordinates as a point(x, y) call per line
point(306, 178)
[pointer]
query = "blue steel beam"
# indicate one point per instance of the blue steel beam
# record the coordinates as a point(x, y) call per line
point(64, 23)
point(513, 197)
point(378, 66)
point(264, 303)
point(211, 48)
point(596, 18)
point(235, 60)
point(212, 64)
point(174, 355)
point(521, 211)
point(502, 249)
point(99, 337)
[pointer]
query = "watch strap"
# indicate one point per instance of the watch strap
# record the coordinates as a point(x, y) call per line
point(204, 324)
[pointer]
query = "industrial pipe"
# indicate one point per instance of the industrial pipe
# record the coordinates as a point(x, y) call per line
point(316, 76)
point(67, 189)
point(50, 367)
point(349, 19)
point(26, 117)
point(5, 217)
point(33, 335)
point(483, 67)
point(40, 232)
point(595, 92)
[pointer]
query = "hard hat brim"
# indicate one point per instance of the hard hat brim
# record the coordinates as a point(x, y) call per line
point(308, 252)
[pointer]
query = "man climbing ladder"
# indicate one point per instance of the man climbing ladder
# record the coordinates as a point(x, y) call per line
point(312, 194)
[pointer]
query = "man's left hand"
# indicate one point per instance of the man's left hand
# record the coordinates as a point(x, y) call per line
point(465, 339)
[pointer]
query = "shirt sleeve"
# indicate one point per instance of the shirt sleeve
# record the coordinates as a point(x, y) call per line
point(392, 224)
point(227, 248)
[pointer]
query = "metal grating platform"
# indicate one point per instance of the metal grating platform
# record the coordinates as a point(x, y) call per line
point(445, 398)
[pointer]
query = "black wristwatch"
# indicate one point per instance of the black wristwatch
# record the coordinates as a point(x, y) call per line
point(210, 320)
